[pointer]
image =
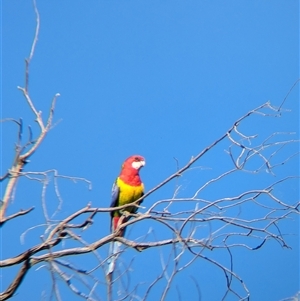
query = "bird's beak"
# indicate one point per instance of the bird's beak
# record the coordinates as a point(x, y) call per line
point(138, 164)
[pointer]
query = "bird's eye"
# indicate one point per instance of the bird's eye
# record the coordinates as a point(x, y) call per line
point(136, 159)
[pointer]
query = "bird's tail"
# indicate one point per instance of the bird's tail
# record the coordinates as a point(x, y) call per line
point(114, 251)
point(115, 247)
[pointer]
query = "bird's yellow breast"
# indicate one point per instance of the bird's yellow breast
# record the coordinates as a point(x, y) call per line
point(129, 194)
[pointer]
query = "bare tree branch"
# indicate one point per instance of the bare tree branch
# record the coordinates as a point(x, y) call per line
point(16, 282)
point(17, 214)
point(195, 226)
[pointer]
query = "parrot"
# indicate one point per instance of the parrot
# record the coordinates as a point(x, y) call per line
point(127, 189)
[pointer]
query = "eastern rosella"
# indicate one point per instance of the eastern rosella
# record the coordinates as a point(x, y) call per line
point(127, 189)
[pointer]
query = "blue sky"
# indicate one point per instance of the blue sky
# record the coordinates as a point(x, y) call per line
point(163, 79)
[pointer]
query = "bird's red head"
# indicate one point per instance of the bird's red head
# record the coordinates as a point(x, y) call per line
point(134, 162)
point(130, 170)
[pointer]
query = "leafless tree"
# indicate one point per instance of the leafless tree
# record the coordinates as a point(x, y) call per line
point(206, 226)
